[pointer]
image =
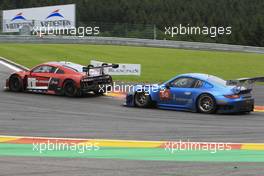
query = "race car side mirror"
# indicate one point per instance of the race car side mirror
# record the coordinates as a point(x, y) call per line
point(167, 85)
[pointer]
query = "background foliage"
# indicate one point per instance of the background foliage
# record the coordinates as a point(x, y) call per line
point(245, 16)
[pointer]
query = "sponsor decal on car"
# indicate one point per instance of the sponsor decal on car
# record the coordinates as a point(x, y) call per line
point(165, 95)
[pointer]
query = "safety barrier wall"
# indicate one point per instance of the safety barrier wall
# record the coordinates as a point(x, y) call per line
point(129, 42)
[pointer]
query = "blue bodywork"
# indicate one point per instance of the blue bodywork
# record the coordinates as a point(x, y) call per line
point(186, 98)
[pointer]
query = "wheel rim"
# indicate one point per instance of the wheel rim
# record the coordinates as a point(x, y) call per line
point(69, 89)
point(206, 104)
point(142, 98)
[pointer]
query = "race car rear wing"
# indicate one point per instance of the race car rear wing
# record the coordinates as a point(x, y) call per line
point(245, 82)
point(102, 67)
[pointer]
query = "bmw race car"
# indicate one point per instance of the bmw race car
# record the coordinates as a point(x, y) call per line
point(64, 78)
point(198, 93)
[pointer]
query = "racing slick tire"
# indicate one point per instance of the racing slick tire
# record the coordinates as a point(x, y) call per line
point(206, 104)
point(69, 89)
point(142, 100)
point(99, 92)
point(102, 91)
point(15, 83)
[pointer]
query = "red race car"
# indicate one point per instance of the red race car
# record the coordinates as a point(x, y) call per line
point(63, 78)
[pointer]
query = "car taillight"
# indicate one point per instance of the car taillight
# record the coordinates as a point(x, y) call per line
point(235, 96)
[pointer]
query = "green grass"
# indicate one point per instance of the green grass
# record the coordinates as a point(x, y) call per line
point(158, 64)
point(149, 154)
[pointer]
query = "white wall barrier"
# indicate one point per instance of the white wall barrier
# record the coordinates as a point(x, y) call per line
point(129, 42)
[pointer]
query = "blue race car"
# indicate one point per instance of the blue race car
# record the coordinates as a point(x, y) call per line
point(197, 93)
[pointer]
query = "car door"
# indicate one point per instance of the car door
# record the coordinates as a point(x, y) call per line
point(39, 77)
point(181, 92)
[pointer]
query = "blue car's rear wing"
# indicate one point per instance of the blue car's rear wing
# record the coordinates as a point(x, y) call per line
point(245, 82)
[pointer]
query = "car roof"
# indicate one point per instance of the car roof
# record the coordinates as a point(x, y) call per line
point(200, 76)
point(66, 64)
point(61, 63)
point(204, 77)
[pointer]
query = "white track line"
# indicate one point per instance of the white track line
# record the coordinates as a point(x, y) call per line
point(10, 66)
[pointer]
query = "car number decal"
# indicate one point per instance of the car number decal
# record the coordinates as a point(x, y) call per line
point(32, 82)
point(165, 94)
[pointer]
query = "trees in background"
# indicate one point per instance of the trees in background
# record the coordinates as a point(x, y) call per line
point(246, 17)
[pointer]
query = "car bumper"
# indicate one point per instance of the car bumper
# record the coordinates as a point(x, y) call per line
point(246, 105)
point(129, 101)
point(97, 84)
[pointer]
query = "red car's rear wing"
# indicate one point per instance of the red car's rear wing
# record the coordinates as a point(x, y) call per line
point(104, 65)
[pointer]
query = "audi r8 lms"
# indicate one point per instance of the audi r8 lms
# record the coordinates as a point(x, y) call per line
point(197, 93)
point(63, 78)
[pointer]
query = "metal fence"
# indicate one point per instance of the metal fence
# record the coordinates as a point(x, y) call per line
point(143, 31)
point(129, 42)
point(118, 34)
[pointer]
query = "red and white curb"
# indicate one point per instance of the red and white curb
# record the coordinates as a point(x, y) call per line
point(123, 143)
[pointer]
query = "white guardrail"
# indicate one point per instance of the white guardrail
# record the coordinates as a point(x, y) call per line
point(129, 42)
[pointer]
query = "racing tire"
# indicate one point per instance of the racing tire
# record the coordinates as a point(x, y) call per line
point(206, 104)
point(69, 89)
point(15, 84)
point(99, 93)
point(102, 91)
point(142, 100)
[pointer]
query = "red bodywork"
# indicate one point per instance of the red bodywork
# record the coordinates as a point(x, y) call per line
point(52, 80)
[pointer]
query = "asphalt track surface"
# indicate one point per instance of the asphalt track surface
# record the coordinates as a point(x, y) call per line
point(25, 114)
